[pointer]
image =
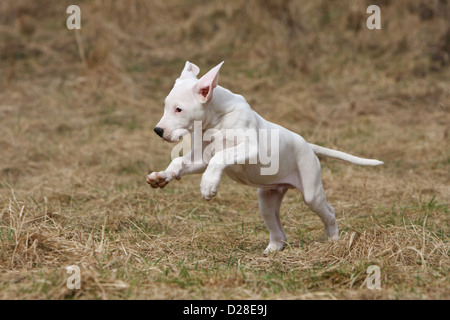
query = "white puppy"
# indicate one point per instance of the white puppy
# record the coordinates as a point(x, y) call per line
point(237, 139)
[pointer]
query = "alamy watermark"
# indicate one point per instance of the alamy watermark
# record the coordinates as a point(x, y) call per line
point(74, 20)
point(74, 280)
point(373, 281)
point(374, 21)
point(233, 146)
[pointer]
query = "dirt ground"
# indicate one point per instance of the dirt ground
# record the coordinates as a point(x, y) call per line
point(77, 112)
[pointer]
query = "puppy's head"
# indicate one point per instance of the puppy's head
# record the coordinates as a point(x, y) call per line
point(187, 102)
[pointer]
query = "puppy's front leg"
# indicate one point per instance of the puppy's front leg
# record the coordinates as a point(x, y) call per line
point(178, 167)
point(221, 160)
point(211, 180)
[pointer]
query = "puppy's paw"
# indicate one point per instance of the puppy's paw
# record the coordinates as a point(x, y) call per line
point(160, 179)
point(208, 187)
point(332, 231)
point(275, 246)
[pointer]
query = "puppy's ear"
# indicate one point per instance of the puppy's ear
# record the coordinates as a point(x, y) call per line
point(207, 83)
point(190, 71)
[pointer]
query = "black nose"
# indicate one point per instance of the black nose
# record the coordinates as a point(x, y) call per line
point(159, 131)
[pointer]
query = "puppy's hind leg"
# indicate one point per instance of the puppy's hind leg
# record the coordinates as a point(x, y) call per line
point(317, 202)
point(314, 195)
point(269, 205)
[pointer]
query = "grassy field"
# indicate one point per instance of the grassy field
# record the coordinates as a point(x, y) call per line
point(77, 112)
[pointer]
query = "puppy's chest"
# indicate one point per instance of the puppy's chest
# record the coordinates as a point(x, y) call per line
point(244, 174)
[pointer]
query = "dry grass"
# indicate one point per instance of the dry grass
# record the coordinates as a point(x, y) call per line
point(76, 143)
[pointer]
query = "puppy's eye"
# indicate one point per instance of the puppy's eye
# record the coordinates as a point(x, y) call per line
point(178, 110)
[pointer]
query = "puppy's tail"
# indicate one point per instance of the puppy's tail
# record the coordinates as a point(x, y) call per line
point(344, 156)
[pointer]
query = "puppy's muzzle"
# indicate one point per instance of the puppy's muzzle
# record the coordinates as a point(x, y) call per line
point(159, 131)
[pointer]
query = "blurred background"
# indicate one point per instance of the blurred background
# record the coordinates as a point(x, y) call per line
point(312, 66)
point(307, 65)
point(78, 107)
